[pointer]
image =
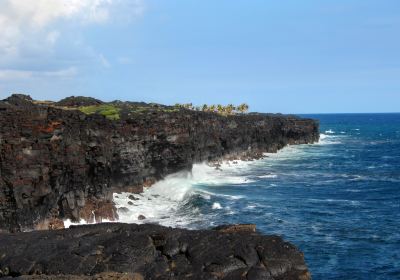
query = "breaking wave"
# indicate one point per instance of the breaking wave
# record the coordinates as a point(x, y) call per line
point(173, 201)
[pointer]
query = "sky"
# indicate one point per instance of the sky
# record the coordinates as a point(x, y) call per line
point(278, 56)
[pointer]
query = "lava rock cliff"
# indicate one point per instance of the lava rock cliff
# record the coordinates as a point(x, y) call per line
point(58, 163)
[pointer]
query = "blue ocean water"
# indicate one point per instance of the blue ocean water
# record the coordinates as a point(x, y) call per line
point(338, 200)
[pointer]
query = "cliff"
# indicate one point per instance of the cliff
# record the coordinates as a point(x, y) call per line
point(138, 252)
point(57, 162)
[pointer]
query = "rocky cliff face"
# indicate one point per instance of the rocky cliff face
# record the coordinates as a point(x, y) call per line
point(138, 252)
point(58, 163)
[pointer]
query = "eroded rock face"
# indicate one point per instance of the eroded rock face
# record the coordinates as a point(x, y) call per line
point(58, 164)
point(149, 252)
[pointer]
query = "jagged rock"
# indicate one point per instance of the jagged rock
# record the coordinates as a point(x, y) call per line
point(51, 158)
point(109, 251)
point(123, 210)
point(77, 101)
point(100, 276)
point(236, 228)
point(19, 100)
point(132, 197)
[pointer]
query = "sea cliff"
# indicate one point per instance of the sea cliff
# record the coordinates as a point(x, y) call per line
point(59, 163)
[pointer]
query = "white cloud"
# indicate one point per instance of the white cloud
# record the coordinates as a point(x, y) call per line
point(14, 75)
point(9, 74)
point(22, 21)
point(52, 37)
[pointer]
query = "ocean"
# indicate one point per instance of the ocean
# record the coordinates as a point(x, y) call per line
point(337, 200)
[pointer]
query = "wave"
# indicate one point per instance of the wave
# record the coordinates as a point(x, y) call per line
point(335, 201)
point(216, 205)
point(173, 201)
point(68, 222)
point(325, 139)
point(189, 198)
point(268, 176)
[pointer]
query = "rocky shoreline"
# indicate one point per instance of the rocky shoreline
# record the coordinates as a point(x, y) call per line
point(64, 160)
point(57, 163)
point(137, 252)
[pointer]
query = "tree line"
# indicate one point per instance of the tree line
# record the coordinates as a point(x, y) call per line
point(229, 109)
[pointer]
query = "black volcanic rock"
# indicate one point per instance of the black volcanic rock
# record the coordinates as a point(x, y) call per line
point(148, 252)
point(77, 101)
point(58, 164)
point(18, 99)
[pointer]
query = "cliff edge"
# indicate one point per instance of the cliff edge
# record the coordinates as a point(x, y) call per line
point(64, 160)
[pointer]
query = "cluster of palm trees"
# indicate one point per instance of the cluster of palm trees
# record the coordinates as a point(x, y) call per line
point(229, 109)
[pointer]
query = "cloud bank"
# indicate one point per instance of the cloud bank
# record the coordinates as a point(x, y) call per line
point(31, 30)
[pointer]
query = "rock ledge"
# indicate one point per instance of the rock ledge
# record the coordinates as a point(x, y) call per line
point(130, 251)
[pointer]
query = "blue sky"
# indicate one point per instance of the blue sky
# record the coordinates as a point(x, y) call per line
point(278, 56)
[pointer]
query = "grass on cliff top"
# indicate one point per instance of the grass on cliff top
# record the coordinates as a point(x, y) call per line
point(109, 111)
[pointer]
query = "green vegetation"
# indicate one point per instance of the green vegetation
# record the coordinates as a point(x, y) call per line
point(109, 111)
point(117, 109)
point(229, 109)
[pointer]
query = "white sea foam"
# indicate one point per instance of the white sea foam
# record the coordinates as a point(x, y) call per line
point(335, 201)
point(268, 176)
point(166, 202)
point(325, 139)
point(68, 222)
point(330, 131)
point(216, 205)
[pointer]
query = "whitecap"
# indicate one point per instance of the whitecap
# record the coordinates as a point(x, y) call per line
point(168, 202)
point(216, 206)
point(338, 201)
point(330, 131)
point(325, 139)
point(68, 222)
point(267, 176)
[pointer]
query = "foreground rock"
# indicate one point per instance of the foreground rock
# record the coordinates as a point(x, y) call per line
point(122, 251)
point(58, 163)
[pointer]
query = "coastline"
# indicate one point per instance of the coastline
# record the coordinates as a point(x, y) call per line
point(60, 164)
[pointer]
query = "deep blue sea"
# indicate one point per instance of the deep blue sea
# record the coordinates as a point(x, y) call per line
point(338, 200)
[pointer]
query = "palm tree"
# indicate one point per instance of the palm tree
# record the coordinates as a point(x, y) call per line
point(212, 108)
point(229, 109)
point(243, 108)
point(205, 108)
point(220, 108)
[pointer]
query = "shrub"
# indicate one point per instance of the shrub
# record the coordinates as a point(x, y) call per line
point(109, 111)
